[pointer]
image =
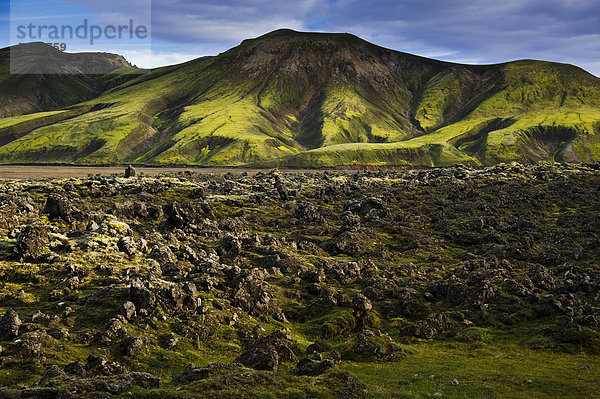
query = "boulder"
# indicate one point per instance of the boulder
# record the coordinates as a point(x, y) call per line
point(9, 325)
point(354, 242)
point(53, 372)
point(130, 172)
point(548, 306)
point(88, 386)
point(45, 393)
point(374, 345)
point(33, 344)
point(282, 190)
point(32, 241)
point(430, 327)
point(141, 296)
point(127, 245)
point(169, 340)
point(307, 212)
point(312, 367)
point(114, 330)
point(254, 297)
point(162, 255)
point(130, 346)
point(318, 346)
point(76, 369)
point(187, 213)
point(191, 374)
point(98, 365)
point(145, 380)
point(361, 304)
point(266, 353)
point(127, 309)
point(231, 244)
point(59, 207)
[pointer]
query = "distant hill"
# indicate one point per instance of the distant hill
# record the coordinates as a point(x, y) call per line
point(300, 99)
point(50, 79)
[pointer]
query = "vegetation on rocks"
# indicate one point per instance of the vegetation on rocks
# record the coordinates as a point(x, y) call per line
point(457, 282)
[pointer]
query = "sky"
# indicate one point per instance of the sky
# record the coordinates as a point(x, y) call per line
point(464, 31)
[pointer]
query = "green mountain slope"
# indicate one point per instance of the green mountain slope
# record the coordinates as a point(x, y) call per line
point(310, 99)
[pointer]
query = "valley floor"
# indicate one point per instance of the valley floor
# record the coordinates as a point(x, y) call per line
point(20, 172)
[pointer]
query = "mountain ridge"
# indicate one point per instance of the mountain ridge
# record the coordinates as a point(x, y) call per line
point(288, 98)
point(48, 79)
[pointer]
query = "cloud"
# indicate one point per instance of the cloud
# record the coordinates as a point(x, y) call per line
point(224, 22)
point(486, 31)
point(154, 59)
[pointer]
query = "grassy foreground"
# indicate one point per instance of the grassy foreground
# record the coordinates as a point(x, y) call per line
point(455, 282)
point(483, 371)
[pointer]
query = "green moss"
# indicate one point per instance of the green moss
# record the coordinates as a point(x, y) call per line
point(337, 323)
point(473, 334)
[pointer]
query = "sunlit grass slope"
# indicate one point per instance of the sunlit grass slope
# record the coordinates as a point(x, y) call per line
point(300, 99)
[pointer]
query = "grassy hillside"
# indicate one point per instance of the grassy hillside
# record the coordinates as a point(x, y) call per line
point(309, 99)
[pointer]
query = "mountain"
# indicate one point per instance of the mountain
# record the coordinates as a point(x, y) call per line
point(307, 99)
point(49, 79)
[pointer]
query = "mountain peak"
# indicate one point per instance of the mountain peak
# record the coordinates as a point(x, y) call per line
point(290, 34)
point(287, 46)
point(307, 99)
point(281, 32)
point(41, 58)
